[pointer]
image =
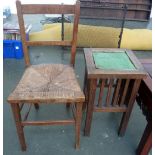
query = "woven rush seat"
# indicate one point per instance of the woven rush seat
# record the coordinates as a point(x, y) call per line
point(47, 83)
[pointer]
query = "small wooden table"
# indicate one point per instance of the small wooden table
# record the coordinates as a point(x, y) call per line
point(119, 87)
point(144, 99)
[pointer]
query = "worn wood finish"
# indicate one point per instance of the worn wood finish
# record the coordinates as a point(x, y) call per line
point(77, 124)
point(95, 73)
point(126, 115)
point(47, 83)
point(145, 98)
point(122, 87)
point(146, 141)
point(110, 109)
point(48, 43)
point(47, 9)
point(22, 33)
point(116, 93)
point(124, 92)
point(40, 123)
point(90, 105)
point(19, 127)
point(50, 9)
point(109, 92)
point(101, 93)
point(75, 30)
point(136, 10)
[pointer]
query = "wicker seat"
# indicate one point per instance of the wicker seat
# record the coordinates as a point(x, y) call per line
point(47, 83)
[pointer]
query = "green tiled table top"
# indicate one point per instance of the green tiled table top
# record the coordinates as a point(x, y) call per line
point(113, 61)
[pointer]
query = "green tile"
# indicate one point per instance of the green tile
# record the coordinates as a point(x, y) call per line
point(113, 61)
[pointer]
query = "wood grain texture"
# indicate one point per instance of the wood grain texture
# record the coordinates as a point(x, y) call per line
point(126, 115)
point(93, 72)
point(116, 93)
point(109, 92)
point(101, 93)
point(75, 31)
point(40, 123)
point(47, 83)
point(78, 124)
point(22, 33)
point(19, 126)
point(92, 83)
point(48, 9)
point(125, 89)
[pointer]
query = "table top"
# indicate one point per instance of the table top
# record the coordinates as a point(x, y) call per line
point(94, 72)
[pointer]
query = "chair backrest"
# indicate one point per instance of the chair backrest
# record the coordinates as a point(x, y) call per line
point(48, 9)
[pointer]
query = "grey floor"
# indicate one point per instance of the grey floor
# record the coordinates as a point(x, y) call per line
point(59, 140)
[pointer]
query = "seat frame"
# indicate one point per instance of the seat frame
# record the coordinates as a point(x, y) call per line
point(77, 106)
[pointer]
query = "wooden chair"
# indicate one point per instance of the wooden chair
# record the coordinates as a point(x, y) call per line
point(47, 83)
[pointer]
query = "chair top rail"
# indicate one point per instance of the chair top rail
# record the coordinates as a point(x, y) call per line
point(46, 8)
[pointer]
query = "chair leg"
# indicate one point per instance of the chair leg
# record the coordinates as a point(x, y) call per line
point(85, 91)
point(19, 127)
point(36, 105)
point(78, 124)
point(67, 105)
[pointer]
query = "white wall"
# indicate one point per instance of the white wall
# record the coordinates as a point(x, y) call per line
point(12, 5)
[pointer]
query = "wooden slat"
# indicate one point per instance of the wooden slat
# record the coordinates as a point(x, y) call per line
point(116, 8)
point(101, 93)
point(110, 109)
point(112, 18)
point(116, 93)
point(46, 43)
point(47, 9)
point(131, 102)
point(39, 123)
point(124, 92)
point(22, 33)
point(109, 92)
point(128, 3)
point(75, 31)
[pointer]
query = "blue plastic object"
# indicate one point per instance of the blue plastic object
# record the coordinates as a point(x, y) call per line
point(12, 49)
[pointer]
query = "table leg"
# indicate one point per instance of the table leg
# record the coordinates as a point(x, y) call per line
point(146, 141)
point(126, 115)
point(90, 105)
point(19, 127)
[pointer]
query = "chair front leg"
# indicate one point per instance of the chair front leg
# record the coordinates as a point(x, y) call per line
point(67, 105)
point(17, 117)
point(78, 124)
point(36, 105)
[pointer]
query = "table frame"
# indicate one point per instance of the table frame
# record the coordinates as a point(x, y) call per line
point(93, 75)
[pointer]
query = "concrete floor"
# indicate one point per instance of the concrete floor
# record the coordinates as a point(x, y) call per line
point(59, 140)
